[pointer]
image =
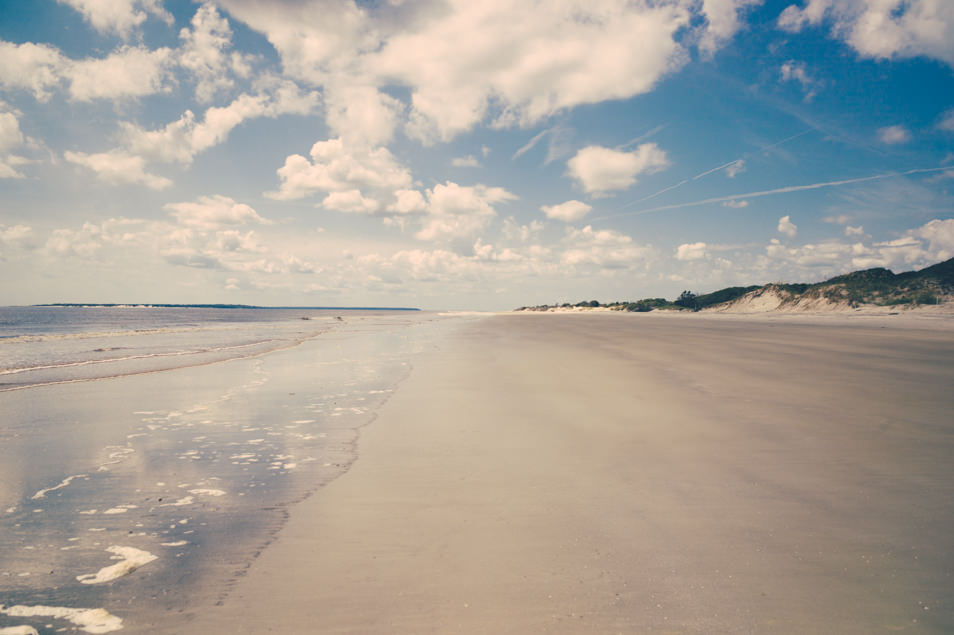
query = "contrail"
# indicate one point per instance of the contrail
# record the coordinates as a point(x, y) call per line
point(716, 169)
point(781, 190)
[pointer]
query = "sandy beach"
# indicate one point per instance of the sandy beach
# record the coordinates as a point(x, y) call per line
point(635, 474)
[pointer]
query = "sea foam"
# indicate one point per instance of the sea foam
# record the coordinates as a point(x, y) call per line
point(130, 559)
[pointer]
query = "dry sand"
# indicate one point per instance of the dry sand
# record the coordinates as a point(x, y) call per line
point(635, 474)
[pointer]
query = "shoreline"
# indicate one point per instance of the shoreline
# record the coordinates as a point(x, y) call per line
point(590, 474)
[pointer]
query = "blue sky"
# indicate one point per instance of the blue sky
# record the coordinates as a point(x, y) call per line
point(460, 155)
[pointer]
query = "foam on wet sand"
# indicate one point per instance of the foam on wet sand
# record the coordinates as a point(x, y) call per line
point(89, 620)
point(129, 558)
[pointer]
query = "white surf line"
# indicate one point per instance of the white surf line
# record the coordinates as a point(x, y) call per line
point(89, 620)
point(66, 481)
point(130, 559)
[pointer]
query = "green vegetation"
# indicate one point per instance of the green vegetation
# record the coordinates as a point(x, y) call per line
point(878, 286)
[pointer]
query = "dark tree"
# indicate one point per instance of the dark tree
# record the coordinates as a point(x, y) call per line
point(687, 299)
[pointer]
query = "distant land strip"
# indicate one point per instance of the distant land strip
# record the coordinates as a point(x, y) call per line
point(877, 287)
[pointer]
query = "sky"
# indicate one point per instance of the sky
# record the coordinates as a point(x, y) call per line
point(451, 154)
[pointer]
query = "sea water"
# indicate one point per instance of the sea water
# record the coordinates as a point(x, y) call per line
point(147, 455)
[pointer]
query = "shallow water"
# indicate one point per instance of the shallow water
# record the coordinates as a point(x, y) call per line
point(144, 495)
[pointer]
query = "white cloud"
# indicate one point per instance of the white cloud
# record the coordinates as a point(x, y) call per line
point(568, 212)
point(735, 204)
point(204, 53)
point(830, 254)
point(787, 227)
point(940, 237)
point(470, 161)
point(894, 135)
point(691, 251)
point(604, 248)
point(181, 140)
point(792, 71)
point(118, 16)
point(854, 231)
point(734, 168)
point(722, 17)
point(212, 212)
point(32, 67)
point(350, 201)
point(118, 167)
point(947, 121)
point(882, 28)
point(127, 72)
point(408, 202)
point(455, 211)
point(841, 219)
point(518, 64)
point(335, 166)
point(11, 138)
point(598, 169)
point(361, 114)
point(17, 236)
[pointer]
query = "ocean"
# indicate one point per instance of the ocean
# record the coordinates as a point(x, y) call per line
point(148, 454)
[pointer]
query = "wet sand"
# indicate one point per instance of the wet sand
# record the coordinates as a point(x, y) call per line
point(635, 474)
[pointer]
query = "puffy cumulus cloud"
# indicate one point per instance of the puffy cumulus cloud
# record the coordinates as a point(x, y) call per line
point(350, 201)
point(521, 61)
point(337, 166)
point(130, 71)
point(514, 63)
point(603, 248)
point(84, 242)
point(598, 169)
point(314, 38)
point(914, 249)
point(31, 67)
point(786, 227)
point(118, 16)
point(211, 212)
point(831, 255)
point(11, 138)
point(455, 211)
point(407, 202)
point(882, 28)
point(567, 212)
point(521, 234)
point(127, 72)
point(118, 167)
point(362, 114)
point(722, 22)
point(691, 251)
point(940, 237)
point(205, 54)
point(16, 237)
point(892, 135)
point(182, 139)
